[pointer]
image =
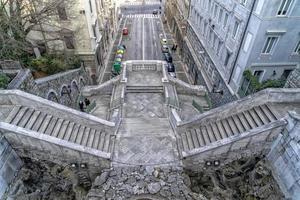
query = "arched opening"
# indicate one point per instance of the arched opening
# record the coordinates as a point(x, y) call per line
point(65, 96)
point(81, 82)
point(52, 96)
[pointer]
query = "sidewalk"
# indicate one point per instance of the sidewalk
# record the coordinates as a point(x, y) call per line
point(180, 67)
point(106, 74)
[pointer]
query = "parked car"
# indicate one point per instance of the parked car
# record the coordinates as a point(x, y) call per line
point(172, 74)
point(170, 67)
point(165, 48)
point(155, 12)
point(125, 31)
point(168, 57)
point(163, 41)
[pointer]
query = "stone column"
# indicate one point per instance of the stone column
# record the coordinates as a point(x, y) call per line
point(284, 158)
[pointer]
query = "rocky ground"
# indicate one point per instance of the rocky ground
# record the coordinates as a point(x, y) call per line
point(248, 179)
point(42, 180)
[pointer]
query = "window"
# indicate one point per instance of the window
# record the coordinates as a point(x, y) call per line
point(94, 30)
point(225, 20)
point(235, 29)
point(284, 7)
point(219, 47)
point(215, 11)
point(247, 42)
point(61, 11)
point(286, 73)
point(297, 49)
point(259, 6)
point(220, 15)
point(227, 57)
point(91, 8)
point(243, 2)
point(69, 41)
point(258, 73)
point(269, 45)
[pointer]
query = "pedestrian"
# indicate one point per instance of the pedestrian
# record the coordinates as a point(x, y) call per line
point(175, 47)
point(87, 102)
point(81, 106)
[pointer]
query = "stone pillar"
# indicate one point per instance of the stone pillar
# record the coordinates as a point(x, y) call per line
point(293, 80)
point(10, 163)
point(284, 158)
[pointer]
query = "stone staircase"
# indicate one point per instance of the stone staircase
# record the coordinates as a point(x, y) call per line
point(144, 89)
point(59, 127)
point(213, 131)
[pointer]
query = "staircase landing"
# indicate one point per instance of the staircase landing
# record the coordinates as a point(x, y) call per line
point(145, 141)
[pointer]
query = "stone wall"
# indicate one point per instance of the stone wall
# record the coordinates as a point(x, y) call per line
point(62, 154)
point(10, 163)
point(285, 158)
point(293, 80)
point(63, 88)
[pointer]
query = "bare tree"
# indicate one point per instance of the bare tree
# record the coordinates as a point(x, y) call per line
point(20, 18)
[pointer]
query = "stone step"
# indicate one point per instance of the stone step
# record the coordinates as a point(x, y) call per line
point(216, 131)
point(184, 142)
point(144, 89)
point(195, 138)
point(69, 131)
point(244, 121)
point(250, 120)
point(12, 114)
point(63, 129)
point(102, 141)
point(51, 126)
point(91, 138)
point(26, 117)
point(19, 115)
point(106, 143)
point(138, 124)
point(262, 115)
point(255, 117)
point(86, 136)
point(210, 133)
point(221, 129)
point(79, 135)
point(57, 127)
point(96, 140)
point(238, 123)
point(74, 132)
point(205, 135)
point(189, 141)
point(45, 124)
point(32, 120)
point(232, 125)
point(38, 122)
point(268, 112)
point(200, 137)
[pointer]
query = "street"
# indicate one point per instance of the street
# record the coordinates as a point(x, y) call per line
point(143, 40)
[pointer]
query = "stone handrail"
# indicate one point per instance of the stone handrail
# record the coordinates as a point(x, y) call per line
point(97, 89)
point(262, 97)
point(19, 79)
point(17, 97)
point(197, 89)
point(56, 76)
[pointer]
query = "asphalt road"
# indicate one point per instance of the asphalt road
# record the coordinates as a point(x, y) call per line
point(143, 40)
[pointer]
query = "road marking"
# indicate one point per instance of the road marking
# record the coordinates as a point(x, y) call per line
point(162, 26)
point(142, 16)
point(143, 53)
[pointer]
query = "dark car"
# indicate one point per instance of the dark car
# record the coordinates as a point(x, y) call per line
point(168, 57)
point(165, 48)
point(171, 67)
point(155, 12)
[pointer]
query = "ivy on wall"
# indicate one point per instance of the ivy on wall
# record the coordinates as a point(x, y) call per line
point(256, 86)
point(4, 80)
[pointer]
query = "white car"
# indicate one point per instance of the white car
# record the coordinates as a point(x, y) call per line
point(163, 41)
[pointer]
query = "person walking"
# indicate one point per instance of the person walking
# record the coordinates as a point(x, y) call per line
point(81, 105)
point(87, 102)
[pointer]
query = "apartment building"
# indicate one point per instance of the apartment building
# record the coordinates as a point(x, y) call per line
point(225, 37)
point(177, 13)
point(84, 28)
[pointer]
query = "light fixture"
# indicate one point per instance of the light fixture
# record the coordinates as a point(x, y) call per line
point(216, 163)
point(208, 163)
point(83, 165)
point(73, 165)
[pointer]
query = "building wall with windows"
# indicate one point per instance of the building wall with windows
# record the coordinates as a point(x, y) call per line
point(219, 26)
point(271, 45)
point(81, 27)
point(235, 35)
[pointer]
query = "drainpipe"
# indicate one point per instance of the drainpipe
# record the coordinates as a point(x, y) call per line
point(241, 43)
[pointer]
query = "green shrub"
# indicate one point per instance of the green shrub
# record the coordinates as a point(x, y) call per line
point(255, 85)
point(4, 80)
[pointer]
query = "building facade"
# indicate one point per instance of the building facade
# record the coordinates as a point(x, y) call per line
point(229, 36)
point(176, 13)
point(83, 28)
